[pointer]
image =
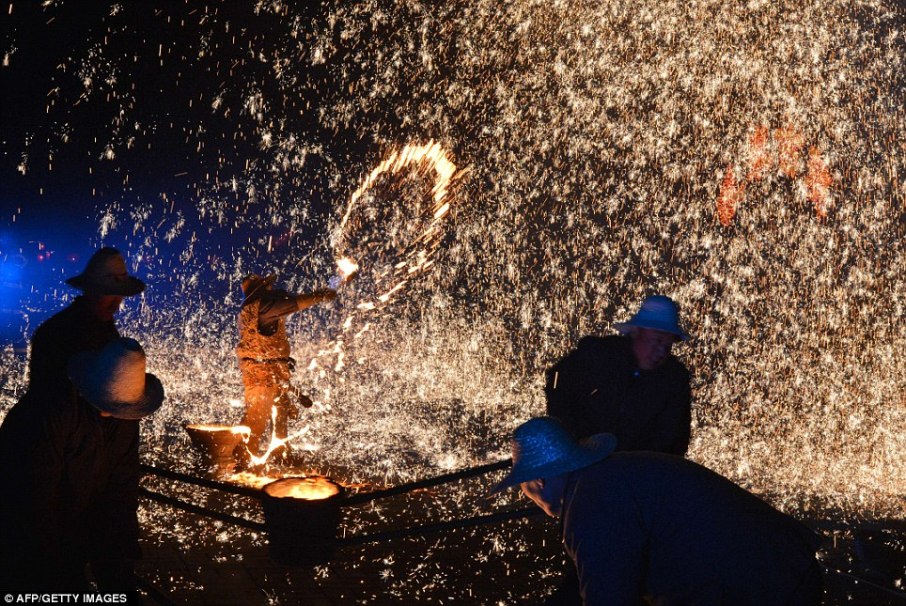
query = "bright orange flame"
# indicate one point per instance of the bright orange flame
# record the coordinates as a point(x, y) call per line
point(311, 489)
point(731, 195)
point(347, 267)
point(758, 153)
point(789, 147)
point(212, 427)
point(789, 143)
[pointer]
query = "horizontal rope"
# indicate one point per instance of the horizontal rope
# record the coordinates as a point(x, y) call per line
point(440, 527)
point(182, 477)
point(365, 497)
point(201, 511)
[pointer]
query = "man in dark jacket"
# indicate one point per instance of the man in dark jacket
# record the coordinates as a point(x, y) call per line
point(648, 526)
point(87, 323)
point(630, 385)
point(69, 465)
point(264, 354)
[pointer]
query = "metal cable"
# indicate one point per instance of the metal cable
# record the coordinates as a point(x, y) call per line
point(208, 513)
point(182, 477)
point(441, 527)
point(404, 488)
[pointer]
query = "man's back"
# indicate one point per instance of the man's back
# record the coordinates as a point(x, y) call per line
point(643, 523)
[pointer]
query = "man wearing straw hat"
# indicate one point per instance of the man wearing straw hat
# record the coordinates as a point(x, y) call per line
point(630, 385)
point(264, 355)
point(70, 469)
point(645, 527)
point(87, 323)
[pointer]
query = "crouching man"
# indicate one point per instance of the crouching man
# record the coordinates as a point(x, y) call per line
point(70, 470)
point(645, 527)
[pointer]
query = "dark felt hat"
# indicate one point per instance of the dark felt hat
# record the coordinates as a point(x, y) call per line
point(106, 274)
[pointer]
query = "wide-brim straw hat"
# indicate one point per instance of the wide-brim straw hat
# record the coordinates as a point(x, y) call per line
point(544, 448)
point(114, 380)
point(657, 313)
point(253, 285)
point(106, 274)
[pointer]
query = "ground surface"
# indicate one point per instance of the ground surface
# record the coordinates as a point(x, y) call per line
point(192, 559)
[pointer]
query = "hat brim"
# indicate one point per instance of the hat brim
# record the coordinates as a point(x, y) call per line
point(127, 288)
point(626, 327)
point(588, 451)
point(147, 404)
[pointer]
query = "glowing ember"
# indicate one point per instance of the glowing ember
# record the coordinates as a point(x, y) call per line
point(786, 157)
point(233, 429)
point(309, 488)
point(347, 267)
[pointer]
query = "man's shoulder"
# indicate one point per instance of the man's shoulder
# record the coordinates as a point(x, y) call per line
point(51, 405)
point(591, 353)
point(674, 367)
point(638, 468)
point(610, 348)
point(62, 319)
point(602, 343)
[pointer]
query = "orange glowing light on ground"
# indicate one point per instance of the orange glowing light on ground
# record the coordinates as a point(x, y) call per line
point(312, 488)
point(213, 427)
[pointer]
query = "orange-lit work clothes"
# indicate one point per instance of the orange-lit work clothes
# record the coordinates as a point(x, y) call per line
point(265, 362)
point(267, 385)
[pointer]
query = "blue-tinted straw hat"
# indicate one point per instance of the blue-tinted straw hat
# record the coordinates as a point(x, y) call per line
point(543, 447)
point(657, 313)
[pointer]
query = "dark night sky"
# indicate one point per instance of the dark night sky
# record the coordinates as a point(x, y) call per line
point(47, 208)
point(180, 146)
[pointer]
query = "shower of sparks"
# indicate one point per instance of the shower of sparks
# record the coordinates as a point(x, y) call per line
point(395, 236)
point(407, 231)
point(599, 138)
point(275, 442)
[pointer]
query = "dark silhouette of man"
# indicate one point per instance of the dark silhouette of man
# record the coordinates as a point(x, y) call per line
point(87, 323)
point(645, 527)
point(69, 464)
point(629, 385)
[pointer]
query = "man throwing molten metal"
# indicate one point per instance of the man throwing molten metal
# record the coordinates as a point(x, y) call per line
point(264, 358)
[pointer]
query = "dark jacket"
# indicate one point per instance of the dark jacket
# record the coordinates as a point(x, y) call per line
point(71, 330)
point(598, 387)
point(70, 494)
point(647, 524)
